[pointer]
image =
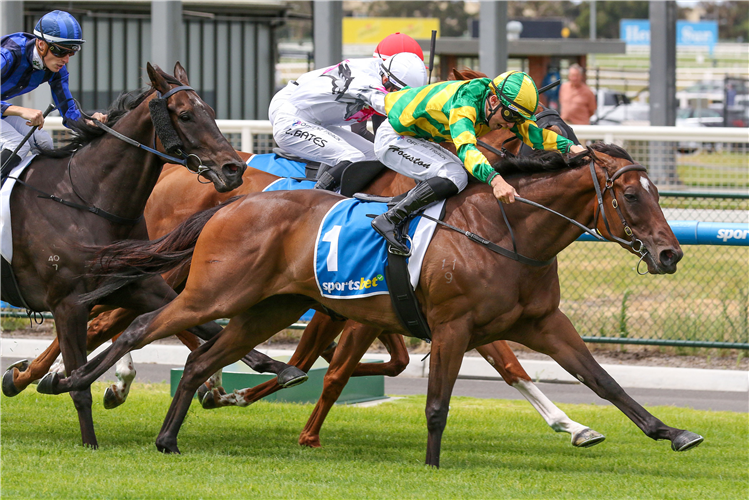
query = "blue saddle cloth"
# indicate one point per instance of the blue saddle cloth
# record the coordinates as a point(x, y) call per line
point(350, 257)
point(277, 165)
point(287, 184)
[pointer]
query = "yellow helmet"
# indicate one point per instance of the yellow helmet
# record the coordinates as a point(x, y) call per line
point(518, 95)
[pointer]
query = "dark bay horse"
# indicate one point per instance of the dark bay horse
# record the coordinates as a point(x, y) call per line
point(52, 243)
point(253, 263)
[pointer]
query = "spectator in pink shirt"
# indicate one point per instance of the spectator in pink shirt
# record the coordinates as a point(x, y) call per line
point(576, 100)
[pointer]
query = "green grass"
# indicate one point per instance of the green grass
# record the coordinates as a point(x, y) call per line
point(491, 449)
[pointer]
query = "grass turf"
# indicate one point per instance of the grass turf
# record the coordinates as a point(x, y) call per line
point(491, 449)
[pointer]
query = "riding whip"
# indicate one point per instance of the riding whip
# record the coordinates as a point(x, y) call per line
point(431, 54)
point(549, 86)
point(47, 111)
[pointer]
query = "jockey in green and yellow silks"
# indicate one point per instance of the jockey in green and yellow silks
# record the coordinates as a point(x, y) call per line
point(457, 112)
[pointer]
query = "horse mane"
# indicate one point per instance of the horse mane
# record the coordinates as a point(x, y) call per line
point(466, 74)
point(550, 161)
point(83, 133)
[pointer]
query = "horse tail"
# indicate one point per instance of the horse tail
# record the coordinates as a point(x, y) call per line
point(127, 261)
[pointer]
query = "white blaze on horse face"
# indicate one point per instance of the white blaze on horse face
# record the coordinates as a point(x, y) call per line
point(645, 183)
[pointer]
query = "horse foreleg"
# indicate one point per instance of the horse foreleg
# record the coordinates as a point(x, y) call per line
point(559, 339)
point(318, 335)
point(243, 333)
point(355, 341)
point(501, 357)
point(448, 346)
point(70, 322)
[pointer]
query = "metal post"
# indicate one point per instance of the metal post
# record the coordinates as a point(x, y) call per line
point(166, 33)
point(593, 16)
point(663, 88)
point(328, 32)
point(11, 16)
point(493, 38)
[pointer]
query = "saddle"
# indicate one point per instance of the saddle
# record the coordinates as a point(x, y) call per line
point(356, 177)
point(402, 296)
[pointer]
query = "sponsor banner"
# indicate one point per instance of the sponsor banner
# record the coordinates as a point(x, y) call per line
point(371, 30)
point(700, 34)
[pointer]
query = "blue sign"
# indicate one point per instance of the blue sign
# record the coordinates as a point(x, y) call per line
point(635, 31)
point(688, 34)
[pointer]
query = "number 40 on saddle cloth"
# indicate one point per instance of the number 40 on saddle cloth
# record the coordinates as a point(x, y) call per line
point(350, 256)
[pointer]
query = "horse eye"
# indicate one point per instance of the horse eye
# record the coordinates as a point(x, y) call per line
point(185, 117)
point(630, 197)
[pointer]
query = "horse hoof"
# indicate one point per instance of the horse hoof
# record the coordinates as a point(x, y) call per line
point(310, 441)
point(685, 441)
point(167, 449)
point(206, 398)
point(48, 383)
point(111, 400)
point(587, 438)
point(9, 388)
point(291, 376)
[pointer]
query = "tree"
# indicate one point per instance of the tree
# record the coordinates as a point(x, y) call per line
point(732, 17)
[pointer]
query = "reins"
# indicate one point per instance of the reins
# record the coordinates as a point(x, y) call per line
point(635, 244)
point(169, 137)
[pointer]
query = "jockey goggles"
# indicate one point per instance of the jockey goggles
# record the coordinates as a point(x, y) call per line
point(63, 51)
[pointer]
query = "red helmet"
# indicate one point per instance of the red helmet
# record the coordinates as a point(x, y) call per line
point(397, 43)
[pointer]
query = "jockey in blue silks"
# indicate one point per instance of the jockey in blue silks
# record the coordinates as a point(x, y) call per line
point(27, 62)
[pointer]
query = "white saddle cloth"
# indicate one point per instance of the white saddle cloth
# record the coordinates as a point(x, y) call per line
point(6, 234)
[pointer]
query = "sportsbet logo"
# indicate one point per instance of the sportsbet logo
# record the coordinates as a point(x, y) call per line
point(727, 234)
point(361, 284)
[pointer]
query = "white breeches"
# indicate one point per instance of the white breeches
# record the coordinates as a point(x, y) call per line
point(12, 131)
point(313, 142)
point(418, 158)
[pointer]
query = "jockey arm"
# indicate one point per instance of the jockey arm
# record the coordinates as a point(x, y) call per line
point(63, 98)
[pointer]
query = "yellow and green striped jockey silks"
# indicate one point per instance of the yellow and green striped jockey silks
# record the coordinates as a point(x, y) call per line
point(455, 112)
point(518, 92)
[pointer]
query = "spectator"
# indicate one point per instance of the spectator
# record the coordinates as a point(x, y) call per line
point(577, 101)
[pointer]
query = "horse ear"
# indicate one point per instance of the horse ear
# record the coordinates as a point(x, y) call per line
point(180, 74)
point(457, 75)
point(157, 81)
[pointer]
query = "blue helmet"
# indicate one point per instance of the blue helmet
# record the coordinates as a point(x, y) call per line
point(60, 28)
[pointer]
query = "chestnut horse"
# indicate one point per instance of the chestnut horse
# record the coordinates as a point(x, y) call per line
point(253, 262)
point(176, 196)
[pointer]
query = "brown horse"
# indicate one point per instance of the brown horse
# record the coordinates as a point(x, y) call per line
point(253, 263)
point(177, 196)
point(105, 182)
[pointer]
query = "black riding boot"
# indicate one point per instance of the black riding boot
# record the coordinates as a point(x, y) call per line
point(429, 191)
point(331, 178)
point(13, 161)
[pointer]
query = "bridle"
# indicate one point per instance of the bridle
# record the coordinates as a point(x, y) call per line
point(635, 244)
point(164, 130)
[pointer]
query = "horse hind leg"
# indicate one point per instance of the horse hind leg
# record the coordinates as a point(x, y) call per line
point(320, 332)
point(116, 394)
point(501, 357)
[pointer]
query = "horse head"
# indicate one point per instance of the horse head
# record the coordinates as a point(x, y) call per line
point(186, 126)
point(630, 214)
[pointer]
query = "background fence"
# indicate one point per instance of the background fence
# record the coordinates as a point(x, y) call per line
point(703, 174)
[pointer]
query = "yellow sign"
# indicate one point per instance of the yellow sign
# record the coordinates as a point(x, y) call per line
point(371, 30)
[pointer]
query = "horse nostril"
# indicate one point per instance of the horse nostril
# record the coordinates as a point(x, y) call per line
point(669, 257)
point(231, 167)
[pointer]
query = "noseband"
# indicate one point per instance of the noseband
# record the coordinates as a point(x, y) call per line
point(166, 133)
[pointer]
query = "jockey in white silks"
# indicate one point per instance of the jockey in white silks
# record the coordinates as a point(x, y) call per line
point(312, 115)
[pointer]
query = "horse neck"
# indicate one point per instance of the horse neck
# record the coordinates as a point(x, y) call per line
point(538, 233)
point(119, 177)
